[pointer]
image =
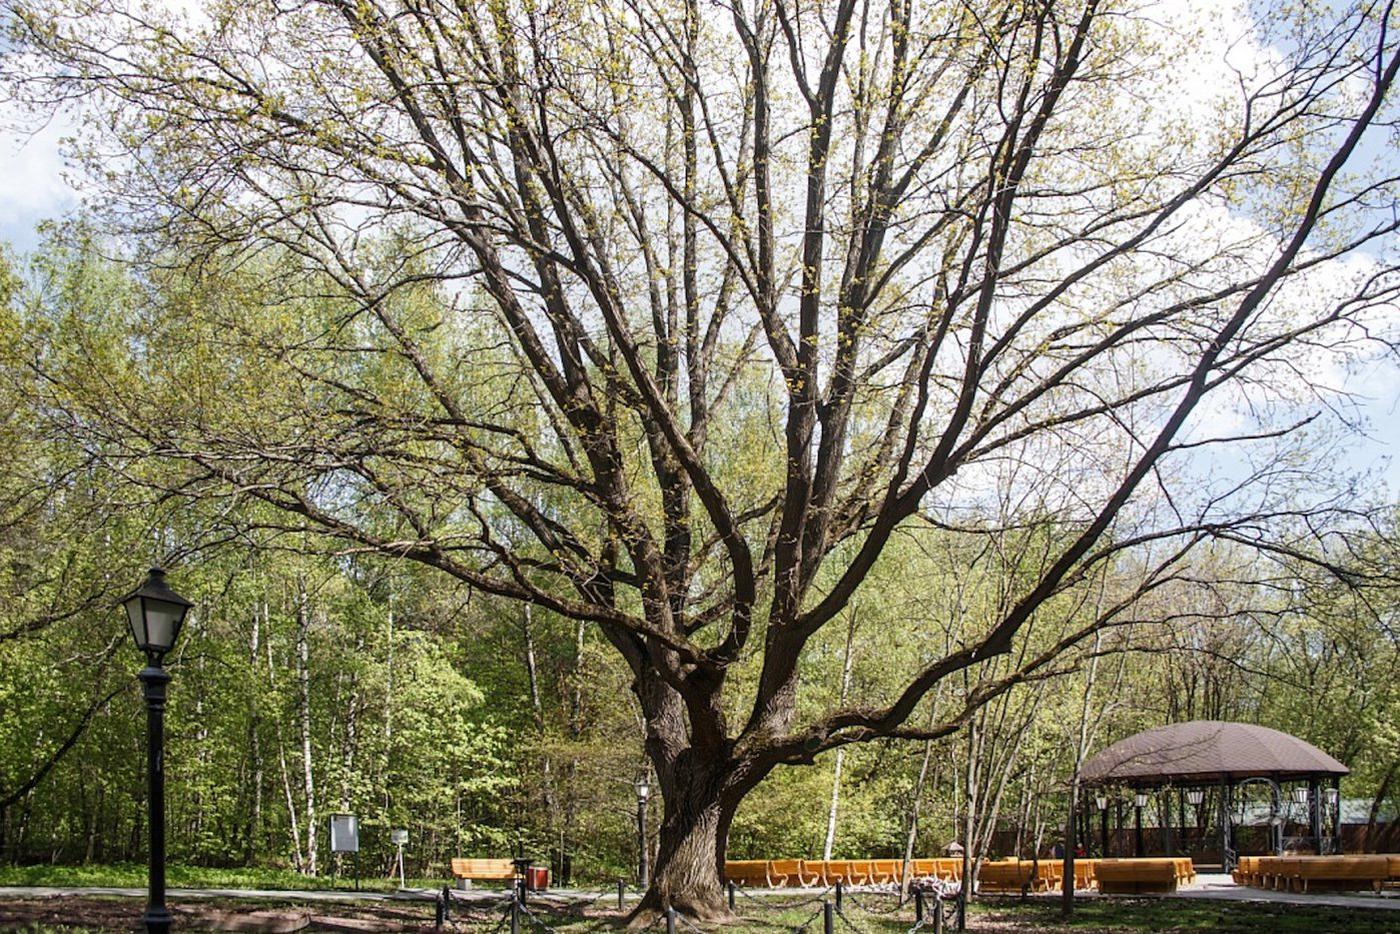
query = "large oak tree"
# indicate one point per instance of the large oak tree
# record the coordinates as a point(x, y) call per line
point(922, 241)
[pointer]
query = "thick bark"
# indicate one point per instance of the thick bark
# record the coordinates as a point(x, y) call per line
point(687, 874)
point(700, 795)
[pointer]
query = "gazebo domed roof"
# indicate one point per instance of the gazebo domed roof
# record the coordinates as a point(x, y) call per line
point(1201, 751)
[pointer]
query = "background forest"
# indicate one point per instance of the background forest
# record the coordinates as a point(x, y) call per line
point(314, 678)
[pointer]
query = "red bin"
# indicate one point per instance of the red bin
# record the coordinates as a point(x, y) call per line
point(536, 878)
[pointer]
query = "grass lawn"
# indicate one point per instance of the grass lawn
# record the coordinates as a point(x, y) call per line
point(133, 875)
point(864, 914)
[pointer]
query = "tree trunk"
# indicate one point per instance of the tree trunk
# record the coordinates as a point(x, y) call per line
point(303, 671)
point(688, 862)
point(912, 825)
point(700, 801)
point(840, 753)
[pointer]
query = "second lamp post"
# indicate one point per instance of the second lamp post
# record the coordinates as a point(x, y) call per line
point(643, 854)
point(155, 613)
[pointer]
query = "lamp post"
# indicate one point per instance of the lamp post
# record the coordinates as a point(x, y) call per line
point(1303, 798)
point(1139, 802)
point(1333, 796)
point(643, 857)
point(155, 613)
point(1196, 796)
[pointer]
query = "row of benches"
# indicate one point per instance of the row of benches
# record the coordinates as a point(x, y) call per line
point(1007, 875)
point(1299, 873)
point(784, 873)
point(1108, 875)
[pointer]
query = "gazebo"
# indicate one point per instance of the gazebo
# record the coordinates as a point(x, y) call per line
point(1219, 758)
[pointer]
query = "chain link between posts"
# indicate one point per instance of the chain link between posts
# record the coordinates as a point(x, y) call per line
point(768, 902)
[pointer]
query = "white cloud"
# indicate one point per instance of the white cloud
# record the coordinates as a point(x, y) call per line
point(33, 186)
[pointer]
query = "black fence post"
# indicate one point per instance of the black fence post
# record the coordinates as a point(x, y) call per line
point(937, 913)
point(514, 914)
point(670, 920)
point(839, 893)
point(620, 893)
point(918, 905)
point(828, 917)
point(440, 914)
point(731, 894)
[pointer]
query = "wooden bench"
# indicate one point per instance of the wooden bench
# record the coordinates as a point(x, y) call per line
point(1301, 873)
point(1085, 876)
point(747, 872)
point(845, 871)
point(1050, 873)
point(886, 871)
point(793, 872)
point(1006, 875)
point(483, 870)
point(1246, 871)
point(1134, 876)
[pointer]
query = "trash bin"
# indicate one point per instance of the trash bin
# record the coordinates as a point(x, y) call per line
point(536, 878)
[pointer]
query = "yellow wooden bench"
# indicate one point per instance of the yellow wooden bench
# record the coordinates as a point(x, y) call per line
point(1053, 872)
point(1132, 876)
point(1005, 875)
point(1246, 871)
point(1084, 874)
point(946, 869)
point(483, 870)
point(886, 871)
point(1301, 873)
point(845, 871)
point(792, 872)
point(747, 872)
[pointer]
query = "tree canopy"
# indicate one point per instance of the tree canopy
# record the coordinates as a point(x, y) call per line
point(674, 320)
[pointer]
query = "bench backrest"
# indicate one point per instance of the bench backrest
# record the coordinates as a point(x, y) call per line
point(483, 868)
point(746, 870)
point(887, 870)
point(786, 867)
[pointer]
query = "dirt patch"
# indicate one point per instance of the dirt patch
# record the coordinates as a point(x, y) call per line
point(74, 913)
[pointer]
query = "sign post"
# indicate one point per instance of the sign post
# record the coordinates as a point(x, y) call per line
point(399, 838)
point(345, 838)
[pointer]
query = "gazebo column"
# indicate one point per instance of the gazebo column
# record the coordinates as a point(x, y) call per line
point(1226, 863)
point(1276, 828)
point(1337, 816)
point(1164, 816)
point(1315, 812)
point(1137, 830)
point(1103, 832)
point(1118, 818)
point(1181, 820)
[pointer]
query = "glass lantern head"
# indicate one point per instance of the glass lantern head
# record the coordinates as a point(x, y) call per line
point(155, 614)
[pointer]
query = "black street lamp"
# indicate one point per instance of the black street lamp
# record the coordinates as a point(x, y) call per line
point(643, 856)
point(1101, 800)
point(1196, 797)
point(155, 613)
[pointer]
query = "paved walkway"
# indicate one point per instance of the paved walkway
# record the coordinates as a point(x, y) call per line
point(1221, 887)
